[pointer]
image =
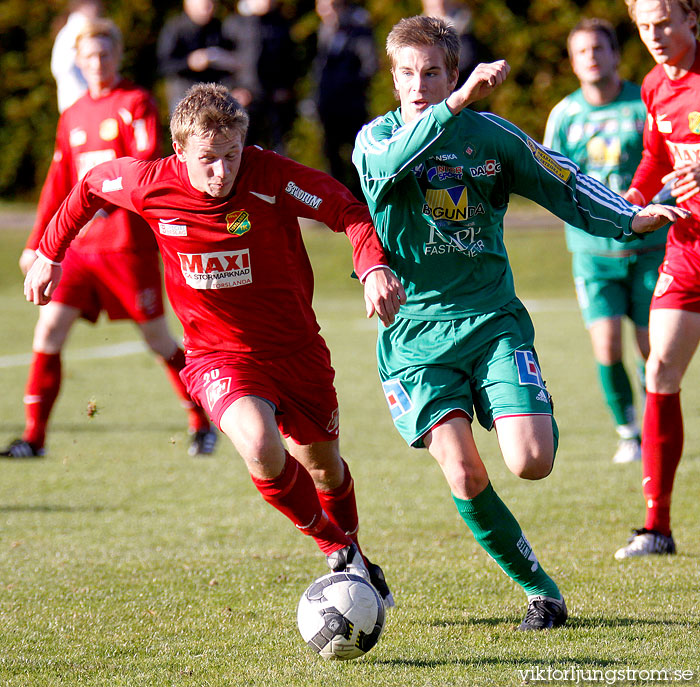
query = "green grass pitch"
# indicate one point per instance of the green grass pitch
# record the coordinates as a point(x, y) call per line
point(123, 562)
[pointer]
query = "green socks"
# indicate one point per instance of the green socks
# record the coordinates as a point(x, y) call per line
point(617, 392)
point(498, 532)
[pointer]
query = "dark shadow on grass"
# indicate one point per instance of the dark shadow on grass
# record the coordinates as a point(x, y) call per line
point(95, 426)
point(54, 508)
point(572, 623)
point(522, 662)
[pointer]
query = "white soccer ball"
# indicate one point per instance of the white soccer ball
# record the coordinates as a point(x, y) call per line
point(340, 616)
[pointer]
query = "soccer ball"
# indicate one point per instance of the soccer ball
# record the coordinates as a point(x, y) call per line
point(340, 616)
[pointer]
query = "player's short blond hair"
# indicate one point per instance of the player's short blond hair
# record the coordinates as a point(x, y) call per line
point(686, 5)
point(418, 31)
point(101, 28)
point(207, 109)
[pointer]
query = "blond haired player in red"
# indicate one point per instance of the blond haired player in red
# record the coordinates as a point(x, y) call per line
point(113, 265)
point(239, 279)
point(668, 28)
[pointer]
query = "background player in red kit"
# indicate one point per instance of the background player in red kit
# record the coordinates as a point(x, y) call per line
point(239, 279)
point(113, 264)
point(670, 91)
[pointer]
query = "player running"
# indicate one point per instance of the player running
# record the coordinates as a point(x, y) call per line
point(599, 127)
point(113, 265)
point(240, 281)
point(668, 28)
point(437, 178)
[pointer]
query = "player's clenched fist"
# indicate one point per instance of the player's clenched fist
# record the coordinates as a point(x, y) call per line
point(481, 82)
point(41, 281)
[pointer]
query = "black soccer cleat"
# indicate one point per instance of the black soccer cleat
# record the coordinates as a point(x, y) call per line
point(20, 448)
point(203, 442)
point(376, 577)
point(544, 613)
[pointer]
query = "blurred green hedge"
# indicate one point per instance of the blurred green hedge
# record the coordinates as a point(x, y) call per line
point(530, 34)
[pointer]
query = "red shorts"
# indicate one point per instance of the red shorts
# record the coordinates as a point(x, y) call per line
point(124, 285)
point(678, 285)
point(300, 387)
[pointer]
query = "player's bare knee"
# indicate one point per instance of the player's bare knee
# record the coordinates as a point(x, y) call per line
point(533, 464)
point(48, 338)
point(662, 376)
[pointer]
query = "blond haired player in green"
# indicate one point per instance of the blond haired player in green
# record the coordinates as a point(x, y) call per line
point(437, 178)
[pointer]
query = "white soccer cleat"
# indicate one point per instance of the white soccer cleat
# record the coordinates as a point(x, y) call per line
point(348, 559)
point(628, 451)
point(646, 543)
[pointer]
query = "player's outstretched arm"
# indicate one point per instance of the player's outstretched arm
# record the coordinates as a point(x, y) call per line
point(485, 78)
point(653, 217)
point(41, 280)
point(384, 294)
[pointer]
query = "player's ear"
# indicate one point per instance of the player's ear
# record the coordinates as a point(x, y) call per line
point(454, 77)
point(179, 151)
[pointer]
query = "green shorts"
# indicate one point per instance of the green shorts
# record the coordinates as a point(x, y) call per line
point(611, 286)
point(486, 363)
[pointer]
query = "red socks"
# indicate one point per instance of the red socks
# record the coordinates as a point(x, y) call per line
point(197, 417)
point(40, 394)
point(293, 494)
point(662, 445)
point(340, 505)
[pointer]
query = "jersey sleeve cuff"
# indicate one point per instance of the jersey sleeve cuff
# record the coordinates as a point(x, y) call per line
point(442, 113)
point(366, 273)
point(39, 254)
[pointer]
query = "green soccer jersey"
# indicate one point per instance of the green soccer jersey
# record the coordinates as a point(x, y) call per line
point(605, 141)
point(438, 189)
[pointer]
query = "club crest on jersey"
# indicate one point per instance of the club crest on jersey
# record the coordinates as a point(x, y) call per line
point(547, 161)
point(397, 398)
point(109, 129)
point(237, 222)
point(77, 137)
point(694, 122)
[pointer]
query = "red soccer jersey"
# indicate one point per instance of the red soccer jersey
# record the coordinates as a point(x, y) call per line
point(236, 270)
point(672, 139)
point(122, 123)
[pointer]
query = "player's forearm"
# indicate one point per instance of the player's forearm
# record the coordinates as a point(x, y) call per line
point(367, 252)
point(75, 212)
point(53, 193)
point(647, 179)
point(602, 212)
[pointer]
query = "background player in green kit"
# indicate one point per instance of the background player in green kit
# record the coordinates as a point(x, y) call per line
point(437, 179)
point(600, 128)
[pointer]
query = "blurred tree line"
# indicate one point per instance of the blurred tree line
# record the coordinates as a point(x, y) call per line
point(530, 34)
